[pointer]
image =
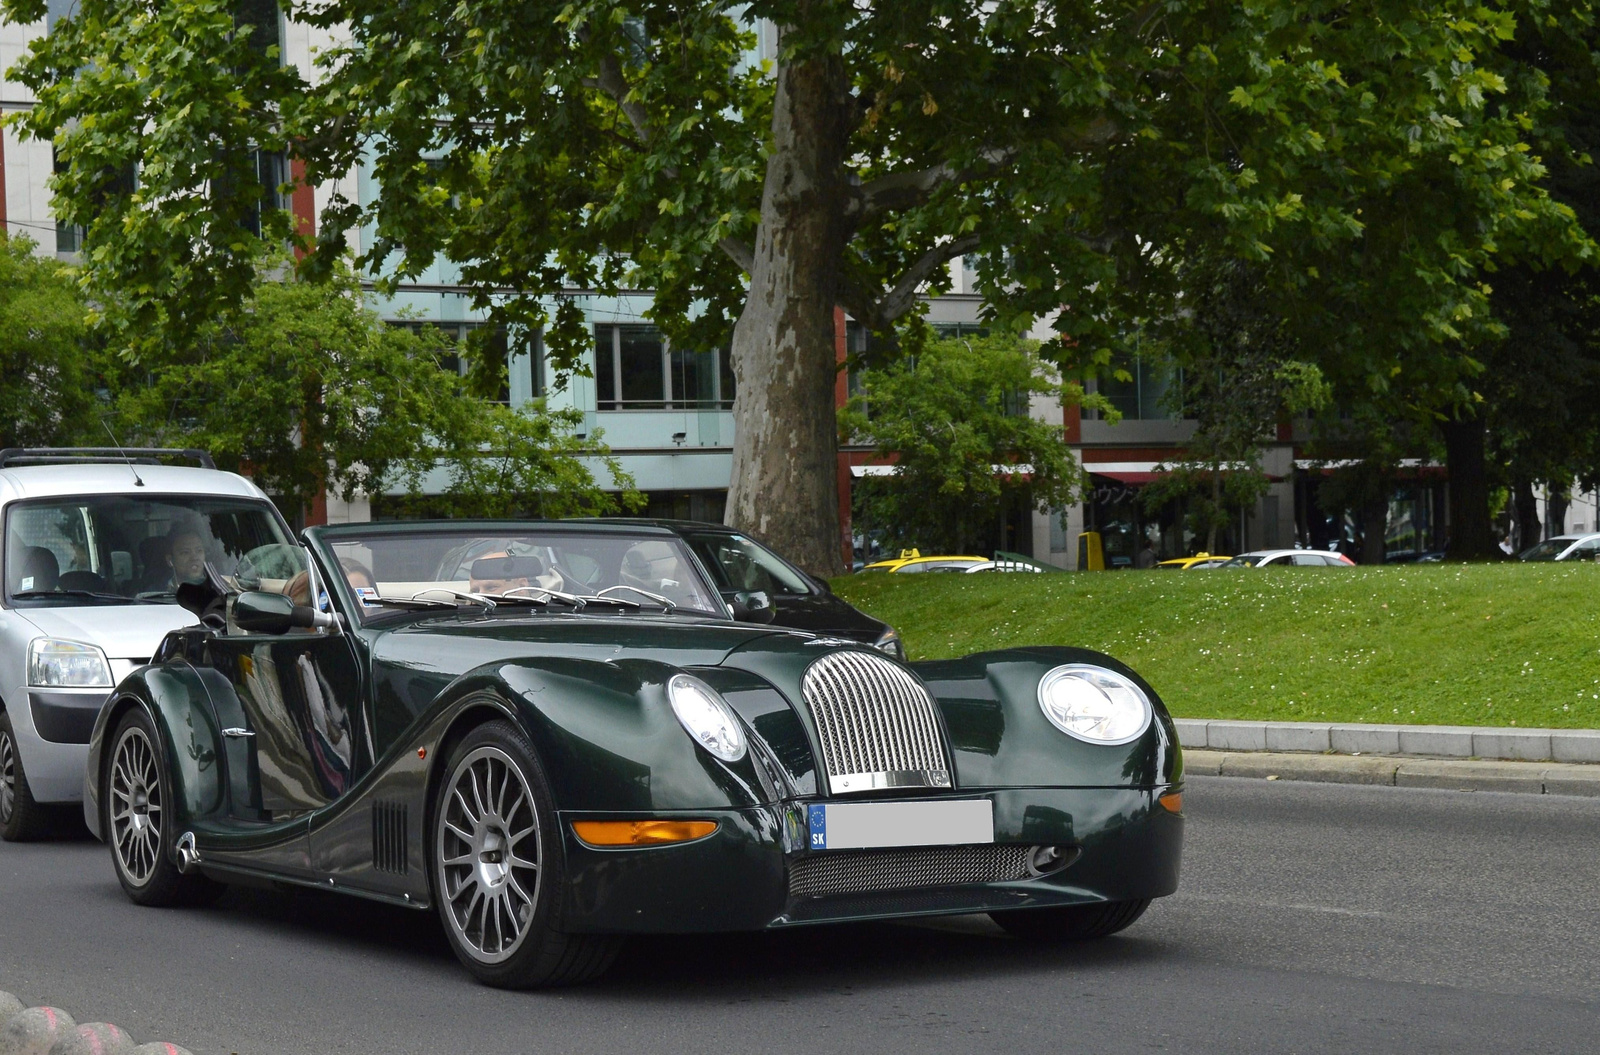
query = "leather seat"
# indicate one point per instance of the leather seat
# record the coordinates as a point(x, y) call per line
point(39, 571)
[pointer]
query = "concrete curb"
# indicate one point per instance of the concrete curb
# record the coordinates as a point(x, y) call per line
point(1530, 778)
point(1436, 741)
point(51, 1031)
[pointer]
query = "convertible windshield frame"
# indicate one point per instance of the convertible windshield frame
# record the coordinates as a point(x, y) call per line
point(338, 549)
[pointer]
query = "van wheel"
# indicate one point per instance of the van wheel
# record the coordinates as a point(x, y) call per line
point(21, 819)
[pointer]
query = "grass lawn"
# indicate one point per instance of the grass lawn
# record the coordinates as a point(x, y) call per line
point(1436, 644)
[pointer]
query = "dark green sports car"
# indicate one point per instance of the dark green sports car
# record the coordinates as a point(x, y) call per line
point(553, 735)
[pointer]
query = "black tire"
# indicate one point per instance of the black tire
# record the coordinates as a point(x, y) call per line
point(478, 865)
point(1071, 922)
point(22, 820)
point(136, 820)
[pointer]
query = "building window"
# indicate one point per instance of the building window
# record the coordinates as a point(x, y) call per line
point(1143, 397)
point(636, 368)
point(524, 378)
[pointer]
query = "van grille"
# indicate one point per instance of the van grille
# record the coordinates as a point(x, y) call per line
point(876, 724)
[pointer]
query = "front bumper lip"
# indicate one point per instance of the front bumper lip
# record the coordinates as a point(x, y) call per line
point(739, 879)
point(66, 716)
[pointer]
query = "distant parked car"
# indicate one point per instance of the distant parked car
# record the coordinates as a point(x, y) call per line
point(1199, 560)
point(911, 562)
point(1564, 547)
point(1284, 558)
point(1004, 565)
point(743, 568)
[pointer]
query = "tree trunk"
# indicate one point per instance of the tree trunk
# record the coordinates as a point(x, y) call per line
point(1525, 513)
point(1470, 535)
point(784, 489)
point(1557, 502)
point(1374, 528)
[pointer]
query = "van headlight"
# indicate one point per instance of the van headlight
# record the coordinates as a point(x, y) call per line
point(57, 664)
point(1094, 704)
point(706, 716)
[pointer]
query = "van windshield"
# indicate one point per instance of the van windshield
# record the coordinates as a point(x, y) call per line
point(120, 549)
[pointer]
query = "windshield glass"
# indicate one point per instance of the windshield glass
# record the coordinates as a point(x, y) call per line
point(1549, 549)
point(444, 565)
point(744, 564)
point(1247, 560)
point(121, 549)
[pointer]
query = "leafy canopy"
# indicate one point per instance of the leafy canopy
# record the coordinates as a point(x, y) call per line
point(306, 387)
point(1078, 151)
point(952, 417)
point(46, 374)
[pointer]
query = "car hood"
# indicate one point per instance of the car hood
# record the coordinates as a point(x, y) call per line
point(124, 631)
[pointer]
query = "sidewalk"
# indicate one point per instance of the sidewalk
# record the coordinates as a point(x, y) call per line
point(1464, 758)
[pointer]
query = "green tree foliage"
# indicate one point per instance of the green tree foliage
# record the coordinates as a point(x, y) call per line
point(306, 388)
point(1373, 159)
point(949, 416)
point(46, 374)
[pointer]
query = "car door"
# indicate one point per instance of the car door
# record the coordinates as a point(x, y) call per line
point(293, 721)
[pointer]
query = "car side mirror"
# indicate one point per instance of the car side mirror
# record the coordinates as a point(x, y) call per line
point(752, 606)
point(259, 612)
point(820, 583)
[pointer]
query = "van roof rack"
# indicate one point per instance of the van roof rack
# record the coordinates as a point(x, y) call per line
point(87, 455)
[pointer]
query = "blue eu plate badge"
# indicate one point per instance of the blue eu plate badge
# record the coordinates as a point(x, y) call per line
point(819, 826)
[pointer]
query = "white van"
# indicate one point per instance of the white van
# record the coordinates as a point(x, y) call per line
point(96, 542)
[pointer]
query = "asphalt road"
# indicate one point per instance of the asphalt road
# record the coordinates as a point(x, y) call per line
point(1312, 918)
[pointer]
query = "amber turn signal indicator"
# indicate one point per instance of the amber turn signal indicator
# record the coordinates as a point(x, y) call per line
point(641, 833)
point(1172, 801)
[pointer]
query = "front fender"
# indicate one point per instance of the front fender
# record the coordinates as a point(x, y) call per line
point(609, 740)
point(174, 697)
point(1001, 738)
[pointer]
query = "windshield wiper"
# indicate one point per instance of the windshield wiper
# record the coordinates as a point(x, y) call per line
point(515, 594)
point(95, 594)
point(460, 595)
point(664, 602)
point(409, 602)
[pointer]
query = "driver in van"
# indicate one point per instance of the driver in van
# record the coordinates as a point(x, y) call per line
point(185, 556)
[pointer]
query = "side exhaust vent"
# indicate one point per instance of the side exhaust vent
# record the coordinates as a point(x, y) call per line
point(390, 838)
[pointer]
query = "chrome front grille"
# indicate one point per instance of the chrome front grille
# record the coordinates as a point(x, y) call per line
point(923, 867)
point(876, 724)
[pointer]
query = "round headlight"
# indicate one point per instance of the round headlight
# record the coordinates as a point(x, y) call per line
point(1094, 704)
point(706, 716)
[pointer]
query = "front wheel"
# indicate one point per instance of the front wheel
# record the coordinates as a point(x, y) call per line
point(498, 870)
point(21, 819)
point(1071, 922)
point(138, 821)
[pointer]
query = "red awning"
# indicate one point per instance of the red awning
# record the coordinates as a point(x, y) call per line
point(1134, 478)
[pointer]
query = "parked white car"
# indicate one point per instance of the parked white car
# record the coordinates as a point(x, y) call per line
point(1564, 547)
point(96, 543)
point(1284, 558)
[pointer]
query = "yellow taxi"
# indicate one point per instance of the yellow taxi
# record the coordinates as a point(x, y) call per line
point(1199, 560)
point(910, 561)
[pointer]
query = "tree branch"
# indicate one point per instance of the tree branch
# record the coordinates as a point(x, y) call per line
point(613, 83)
point(880, 313)
point(906, 190)
point(739, 253)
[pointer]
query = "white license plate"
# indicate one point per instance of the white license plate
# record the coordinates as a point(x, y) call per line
point(870, 825)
